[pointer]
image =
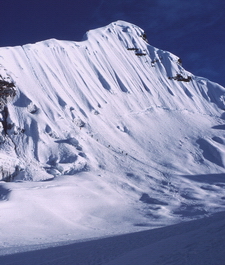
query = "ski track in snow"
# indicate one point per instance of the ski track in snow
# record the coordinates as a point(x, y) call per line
point(102, 138)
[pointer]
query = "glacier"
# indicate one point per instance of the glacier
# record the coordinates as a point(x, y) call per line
point(105, 136)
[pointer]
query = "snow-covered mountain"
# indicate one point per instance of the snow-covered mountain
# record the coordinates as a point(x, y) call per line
point(127, 137)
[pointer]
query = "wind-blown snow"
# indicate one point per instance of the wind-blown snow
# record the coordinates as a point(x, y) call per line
point(115, 135)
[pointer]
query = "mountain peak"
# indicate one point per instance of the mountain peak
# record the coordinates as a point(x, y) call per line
point(117, 115)
point(114, 73)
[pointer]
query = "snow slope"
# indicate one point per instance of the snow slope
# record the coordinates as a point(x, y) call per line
point(195, 242)
point(106, 136)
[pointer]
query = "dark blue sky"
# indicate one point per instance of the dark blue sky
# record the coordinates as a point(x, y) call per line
point(191, 29)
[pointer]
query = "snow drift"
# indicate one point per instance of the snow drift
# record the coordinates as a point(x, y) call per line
point(126, 135)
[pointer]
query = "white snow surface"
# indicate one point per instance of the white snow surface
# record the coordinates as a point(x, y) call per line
point(104, 143)
point(188, 243)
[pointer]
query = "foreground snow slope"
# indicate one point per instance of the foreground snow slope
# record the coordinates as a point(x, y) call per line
point(196, 242)
point(127, 138)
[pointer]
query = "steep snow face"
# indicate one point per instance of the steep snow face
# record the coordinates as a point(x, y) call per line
point(124, 112)
point(113, 92)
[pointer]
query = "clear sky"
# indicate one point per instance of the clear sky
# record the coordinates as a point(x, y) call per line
point(191, 29)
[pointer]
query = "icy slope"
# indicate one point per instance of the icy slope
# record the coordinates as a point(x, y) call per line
point(146, 135)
